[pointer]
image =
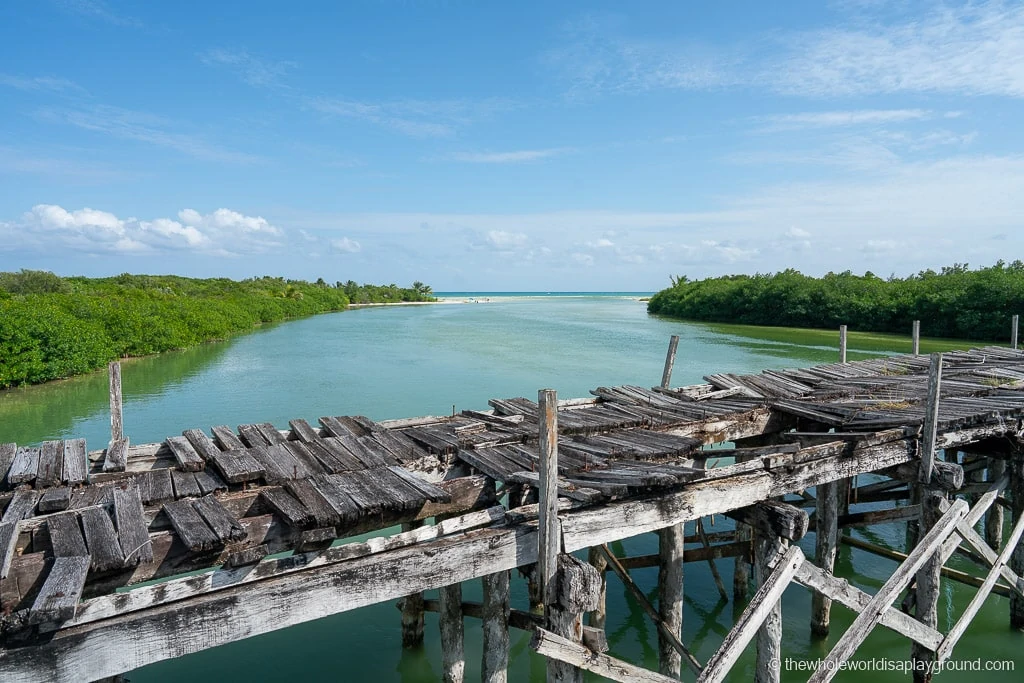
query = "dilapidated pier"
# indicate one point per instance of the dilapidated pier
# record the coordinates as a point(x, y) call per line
point(263, 513)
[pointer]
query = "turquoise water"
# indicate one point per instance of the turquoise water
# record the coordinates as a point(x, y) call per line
point(388, 362)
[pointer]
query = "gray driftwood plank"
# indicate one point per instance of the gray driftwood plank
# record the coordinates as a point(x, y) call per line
point(252, 436)
point(270, 433)
point(302, 429)
point(188, 459)
point(204, 446)
point(226, 438)
point(323, 509)
point(50, 465)
point(7, 451)
point(190, 526)
point(58, 598)
point(132, 531)
point(102, 539)
point(23, 468)
point(55, 500)
point(185, 485)
point(21, 506)
point(289, 508)
point(219, 520)
point(8, 541)
point(76, 462)
point(209, 482)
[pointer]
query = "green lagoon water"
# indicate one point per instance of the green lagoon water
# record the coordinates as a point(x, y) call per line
point(392, 362)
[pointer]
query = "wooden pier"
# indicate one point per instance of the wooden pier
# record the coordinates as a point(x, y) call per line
point(542, 487)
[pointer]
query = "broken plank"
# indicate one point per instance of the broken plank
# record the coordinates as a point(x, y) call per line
point(66, 536)
point(225, 438)
point(237, 466)
point(55, 500)
point(24, 466)
point(101, 539)
point(58, 598)
point(270, 433)
point(203, 445)
point(564, 650)
point(132, 531)
point(209, 482)
point(185, 485)
point(303, 430)
point(318, 505)
point(219, 520)
point(7, 452)
point(190, 526)
point(50, 465)
point(252, 436)
point(21, 505)
point(287, 507)
point(188, 458)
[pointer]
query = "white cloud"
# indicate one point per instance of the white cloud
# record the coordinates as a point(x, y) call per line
point(97, 9)
point(47, 83)
point(415, 118)
point(507, 157)
point(833, 119)
point(51, 227)
point(502, 239)
point(344, 245)
point(797, 233)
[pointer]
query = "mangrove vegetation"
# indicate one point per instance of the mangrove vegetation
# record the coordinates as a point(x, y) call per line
point(53, 327)
point(955, 302)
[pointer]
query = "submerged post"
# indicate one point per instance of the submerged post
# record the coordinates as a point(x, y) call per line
point(549, 538)
point(412, 609)
point(926, 596)
point(116, 419)
point(769, 637)
point(670, 596)
point(670, 361)
point(842, 343)
point(1014, 323)
point(917, 337)
point(826, 536)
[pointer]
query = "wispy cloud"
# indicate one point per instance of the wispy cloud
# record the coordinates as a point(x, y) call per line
point(143, 127)
point(223, 232)
point(970, 49)
point(415, 118)
point(100, 11)
point(253, 70)
point(40, 83)
point(19, 161)
point(839, 119)
point(514, 157)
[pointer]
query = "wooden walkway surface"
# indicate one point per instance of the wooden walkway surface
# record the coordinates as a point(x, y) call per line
point(78, 525)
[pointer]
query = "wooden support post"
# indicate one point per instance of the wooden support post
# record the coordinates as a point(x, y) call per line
point(1016, 465)
point(994, 516)
point(916, 335)
point(496, 641)
point(711, 559)
point(598, 615)
point(670, 361)
point(116, 416)
point(926, 597)
point(741, 567)
point(412, 608)
point(453, 656)
point(842, 343)
point(931, 418)
point(769, 636)
point(575, 591)
point(549, 538)
point(670, 596)
point(825, 543)
point(1014, 324)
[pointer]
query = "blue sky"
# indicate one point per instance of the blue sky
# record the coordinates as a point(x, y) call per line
point(509, 145)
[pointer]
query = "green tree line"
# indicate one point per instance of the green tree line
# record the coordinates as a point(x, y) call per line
point(53, 327)
point(956, 302)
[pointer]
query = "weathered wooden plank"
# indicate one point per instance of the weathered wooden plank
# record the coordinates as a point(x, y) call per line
point(270, 433)
point(50, 465)
point(288, 507)
point(161, 488)
point(753, 616)
point(219, 520)
point(132, 531)
point(66, 536)
point(300, 452)
point(295, 467)
point(238, 466)
point(209, 482)
point(349, 492)
point(8, 543)
point(252, 436)
point(185, 484)
point(550, 534)
point(774, 518)
point(556, 647)
point(202, 444)
point(58, 598)
point(303, 430)
point(327, 509)
point(7, 452)
point(190, 526)
point(226, 439)
point(21, 506)
point(274, 471)
point(76, 462)
point(24, 466)
point(100, 537)
point(115, 458)
point(188, 458)
point(55, 500)
point(426, 489)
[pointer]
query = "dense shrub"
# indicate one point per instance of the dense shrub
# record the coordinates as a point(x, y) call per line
point(52, 327)
point(956, 302)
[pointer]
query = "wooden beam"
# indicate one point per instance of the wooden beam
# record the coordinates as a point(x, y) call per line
point(931, 418)
point(555, 647)
point(750, 620)
point(866, 620)
point(670, 361)
point(774, 518)
point(116, 416)
point(549, 536)
point(412, 608)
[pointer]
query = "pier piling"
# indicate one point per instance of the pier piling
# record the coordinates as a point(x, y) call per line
point(670, 361)
point(916, 337)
